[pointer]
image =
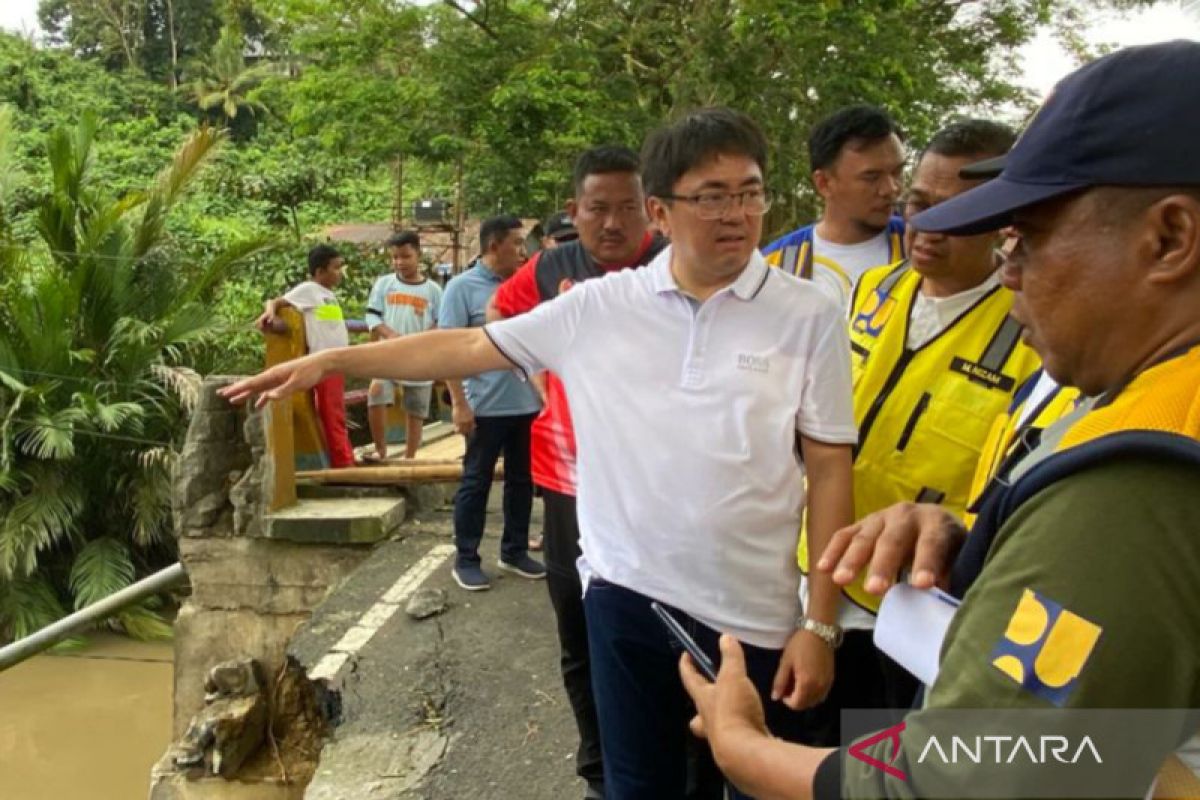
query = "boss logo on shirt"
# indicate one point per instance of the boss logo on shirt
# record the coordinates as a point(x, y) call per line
point(753, 363)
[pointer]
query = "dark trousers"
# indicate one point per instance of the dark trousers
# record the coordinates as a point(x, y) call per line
point(493, 435)
point(863, 678)
point(561, 549)
point(644, 710)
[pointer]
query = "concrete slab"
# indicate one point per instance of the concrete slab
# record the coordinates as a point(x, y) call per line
point(468, 703)
point(348, 520)
point(316, 491)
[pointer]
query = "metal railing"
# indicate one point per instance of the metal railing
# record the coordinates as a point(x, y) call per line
point(47, 637)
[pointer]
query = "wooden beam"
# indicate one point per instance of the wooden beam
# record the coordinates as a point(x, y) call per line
point(280, 455)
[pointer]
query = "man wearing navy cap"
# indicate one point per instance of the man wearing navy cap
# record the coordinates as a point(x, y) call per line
point(1082, 569)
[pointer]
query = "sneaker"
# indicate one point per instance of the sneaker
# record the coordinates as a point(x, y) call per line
point(471, 578)
point(524, 566)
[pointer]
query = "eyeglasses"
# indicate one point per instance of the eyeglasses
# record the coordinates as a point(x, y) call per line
point(714, 205)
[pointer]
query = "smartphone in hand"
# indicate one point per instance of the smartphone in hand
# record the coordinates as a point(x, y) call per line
point(699, 657)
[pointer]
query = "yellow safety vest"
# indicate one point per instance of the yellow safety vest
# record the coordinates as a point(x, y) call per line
point(1006, 434)
point(924, 414)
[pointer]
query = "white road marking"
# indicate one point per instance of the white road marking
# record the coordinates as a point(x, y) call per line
point(377, 615)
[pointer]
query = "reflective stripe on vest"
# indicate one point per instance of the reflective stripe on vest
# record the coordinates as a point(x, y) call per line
point(924, 414)
point(1006, 434)
point(798, 259)
point(1156, 415)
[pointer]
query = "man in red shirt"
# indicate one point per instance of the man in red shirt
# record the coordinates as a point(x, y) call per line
point(608, 211)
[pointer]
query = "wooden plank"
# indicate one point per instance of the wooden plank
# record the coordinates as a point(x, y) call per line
point(450, 447)
point(281, 467)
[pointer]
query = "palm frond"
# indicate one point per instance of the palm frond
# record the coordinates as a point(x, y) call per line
point(103, 567)
point(149, 492)
point(43, 510)
point(49, 436)
point(27, 605)
point(144, 624)
point(130, 335)
point(11, 383)
point(109, 417)
point(171, 184)
point(184, 382)
point(226, 261)
point(155, 457)
point(11, 175)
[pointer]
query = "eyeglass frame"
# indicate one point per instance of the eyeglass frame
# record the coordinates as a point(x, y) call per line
point(727, 203)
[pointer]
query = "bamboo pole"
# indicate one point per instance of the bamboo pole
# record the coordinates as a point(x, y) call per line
point(391, 475)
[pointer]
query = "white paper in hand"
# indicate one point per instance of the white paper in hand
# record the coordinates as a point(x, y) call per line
point(911, 626)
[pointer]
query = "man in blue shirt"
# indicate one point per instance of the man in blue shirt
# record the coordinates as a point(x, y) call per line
point(494, 411)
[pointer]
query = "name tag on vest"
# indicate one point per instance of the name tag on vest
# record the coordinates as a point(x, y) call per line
point(982, 375)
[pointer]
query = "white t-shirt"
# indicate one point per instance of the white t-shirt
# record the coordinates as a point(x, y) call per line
point(932, 315)
point(324, 325)
point(837, 267)
point(686, 415)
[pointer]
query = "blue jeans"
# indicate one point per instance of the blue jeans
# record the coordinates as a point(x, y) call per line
point(644, 710)
point(493, 435)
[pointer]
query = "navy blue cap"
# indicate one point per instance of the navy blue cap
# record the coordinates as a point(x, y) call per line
point(559, 226)
point(1130, 118)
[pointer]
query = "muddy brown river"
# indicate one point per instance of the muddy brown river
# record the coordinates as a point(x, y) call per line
point(86, 725)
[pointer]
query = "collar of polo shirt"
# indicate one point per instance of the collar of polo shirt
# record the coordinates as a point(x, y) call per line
point(746, 287)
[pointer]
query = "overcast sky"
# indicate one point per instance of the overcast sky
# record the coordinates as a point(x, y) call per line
point(1045, 61)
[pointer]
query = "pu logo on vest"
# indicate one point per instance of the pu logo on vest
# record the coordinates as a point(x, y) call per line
point(982, 375)
point(875, 314)
point(753, 363)
point(1045, 647)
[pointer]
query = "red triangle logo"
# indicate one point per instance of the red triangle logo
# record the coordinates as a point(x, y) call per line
point(891, 734)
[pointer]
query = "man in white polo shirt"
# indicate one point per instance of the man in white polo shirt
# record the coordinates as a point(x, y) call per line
point(703, 389)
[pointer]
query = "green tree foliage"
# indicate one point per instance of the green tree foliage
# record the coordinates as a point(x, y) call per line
point(111, 30)
point(95, 336)
point(161, 38)
point(515, 88)
point(226, 82)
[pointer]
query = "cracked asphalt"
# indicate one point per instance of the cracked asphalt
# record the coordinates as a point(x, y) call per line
point(466, 704)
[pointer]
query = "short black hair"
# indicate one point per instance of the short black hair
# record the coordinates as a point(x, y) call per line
point(978, 138)
point(696, 138)
point(602, 161)
point(403, 238)
point(854, 126)
point(494, 229)
point(320, 257)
